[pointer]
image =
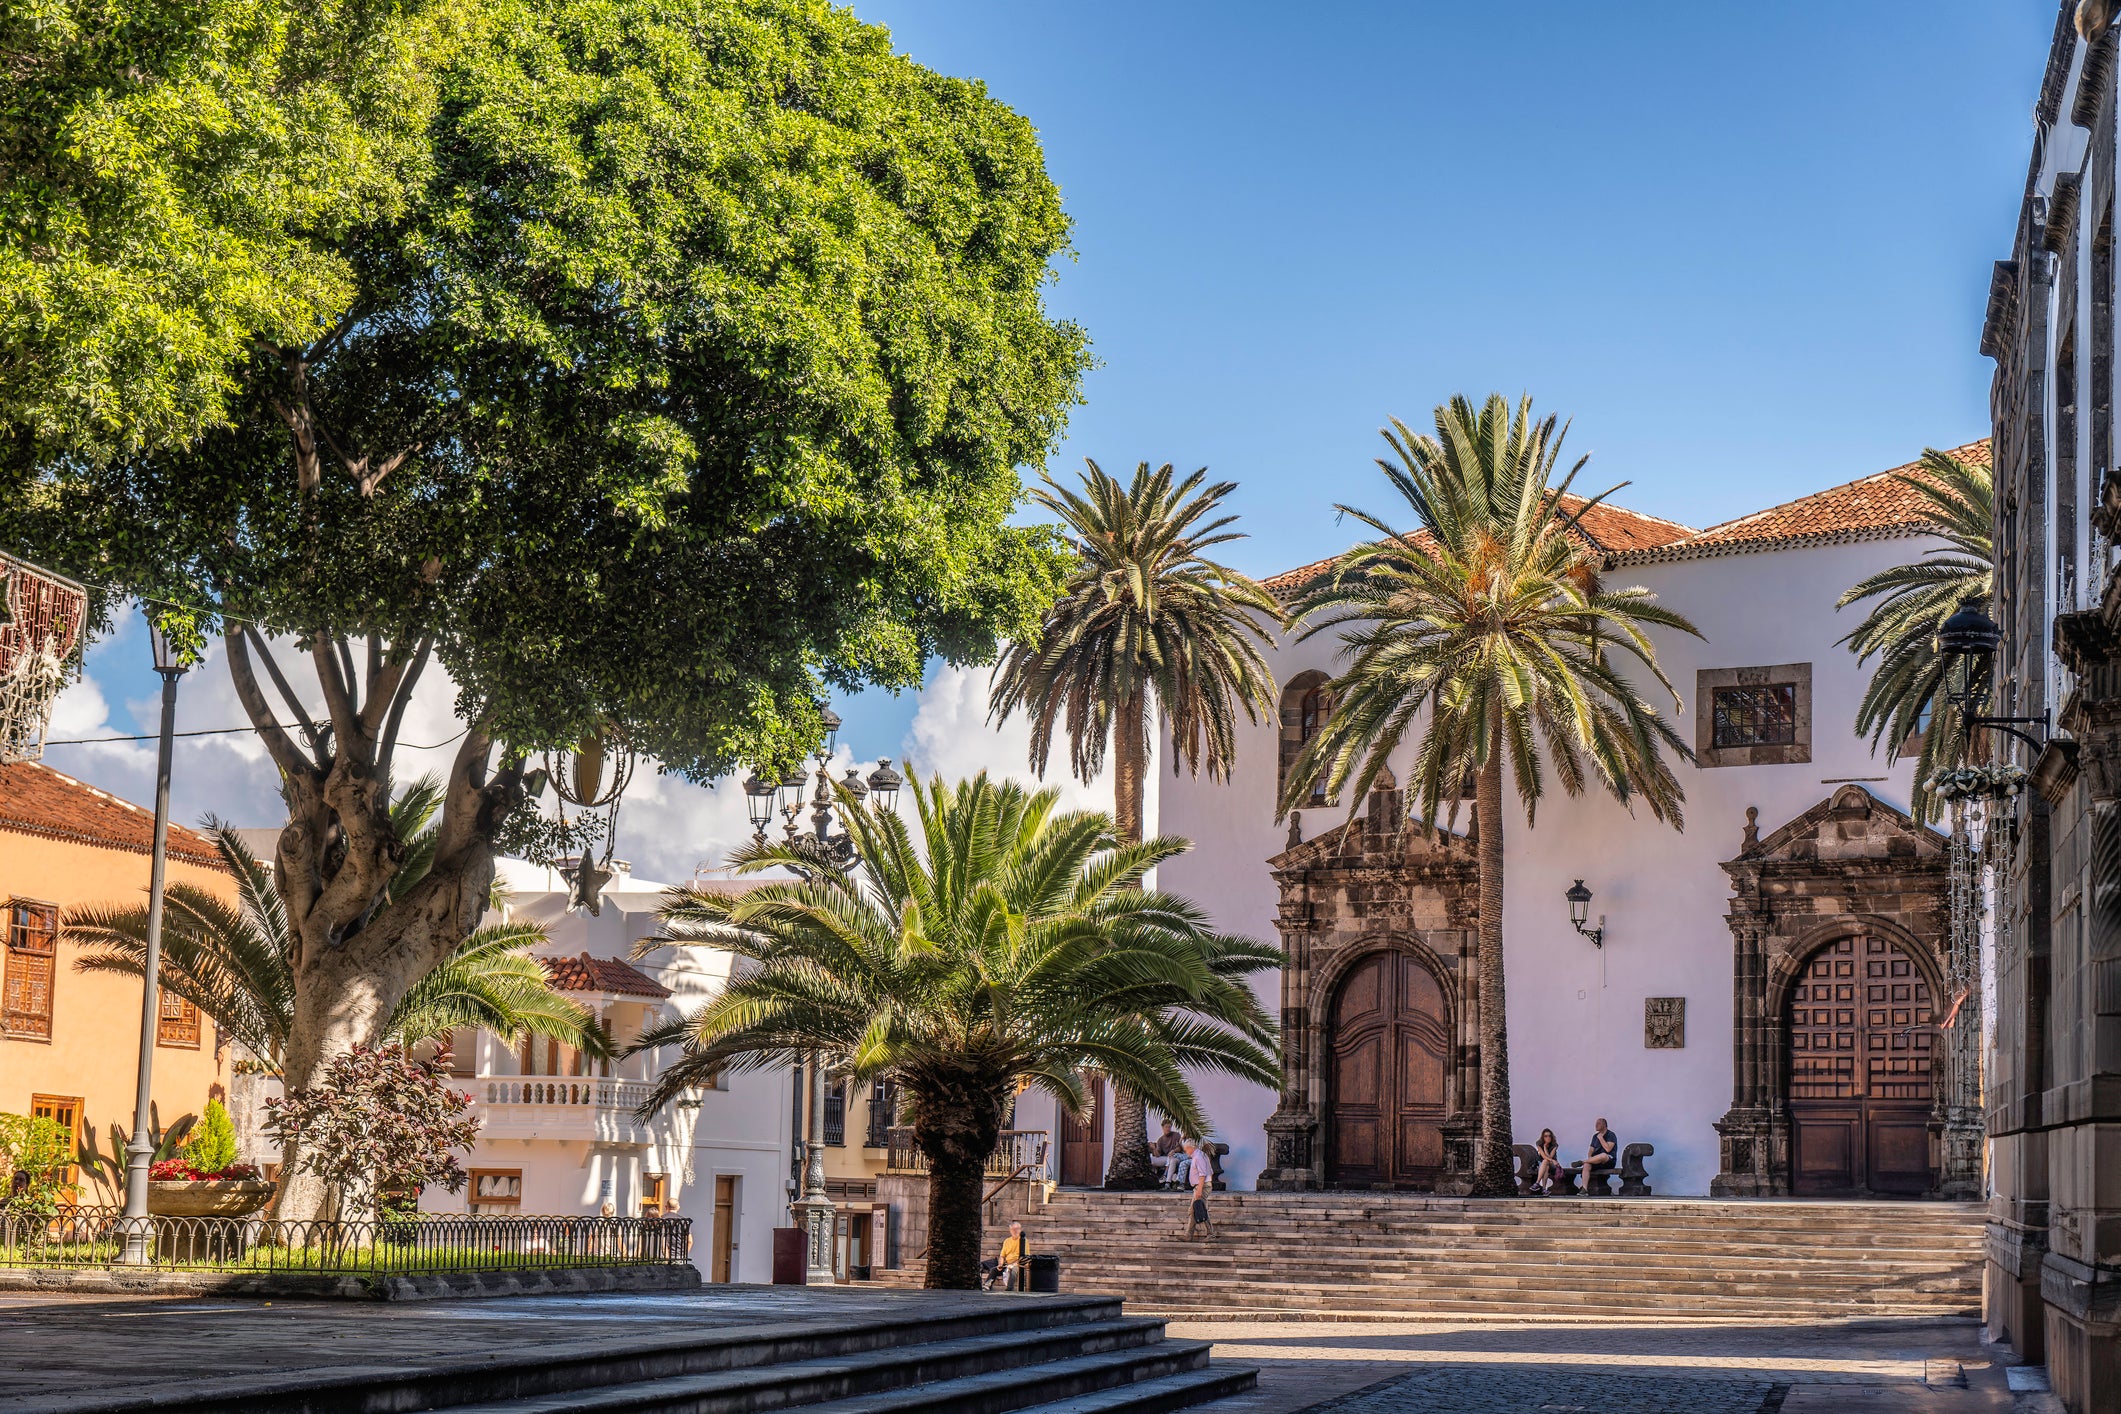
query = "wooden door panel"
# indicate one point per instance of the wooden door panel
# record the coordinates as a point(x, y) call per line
point(1388, 1075)
point(1897, 1150)
point(1083, 1141)
point(1861, 1071)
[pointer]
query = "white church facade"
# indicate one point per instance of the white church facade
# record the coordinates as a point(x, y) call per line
point(1764, 999)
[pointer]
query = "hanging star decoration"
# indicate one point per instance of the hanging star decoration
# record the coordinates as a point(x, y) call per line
point(585, 886)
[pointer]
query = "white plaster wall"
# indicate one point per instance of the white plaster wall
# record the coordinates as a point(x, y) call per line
point(742, 1130)
point(1576, 1011)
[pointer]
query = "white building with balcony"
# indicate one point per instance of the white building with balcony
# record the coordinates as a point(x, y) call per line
point(558, 1130)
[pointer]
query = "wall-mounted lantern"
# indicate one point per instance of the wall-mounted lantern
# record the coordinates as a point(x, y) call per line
point(1579, 899)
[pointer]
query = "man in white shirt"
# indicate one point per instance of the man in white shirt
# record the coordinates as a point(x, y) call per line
point(1201, 1171)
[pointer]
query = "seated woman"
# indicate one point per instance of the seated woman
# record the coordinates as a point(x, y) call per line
point(1604, 1154)
point(1549, 1150)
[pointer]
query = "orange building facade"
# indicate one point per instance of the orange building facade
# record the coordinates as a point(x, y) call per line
point(70, 1041)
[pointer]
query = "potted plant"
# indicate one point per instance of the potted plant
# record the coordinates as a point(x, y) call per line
point(202, 1179)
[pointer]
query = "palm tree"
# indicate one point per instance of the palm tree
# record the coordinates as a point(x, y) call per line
point(1490, 618)
point(1144, 615)
point(235, 962)
point(1008, 946)
point(1906, 693)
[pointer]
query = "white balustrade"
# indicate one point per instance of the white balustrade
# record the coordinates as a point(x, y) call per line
point(559, 1106)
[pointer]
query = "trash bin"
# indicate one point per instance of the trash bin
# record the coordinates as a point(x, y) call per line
point(791, 1256)
point(1045, 1271)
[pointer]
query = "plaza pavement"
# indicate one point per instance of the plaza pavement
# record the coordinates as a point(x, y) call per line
point(1616, 1367)
point(57, 1352)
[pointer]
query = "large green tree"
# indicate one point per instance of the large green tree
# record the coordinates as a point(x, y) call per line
point(1906, 693)
point(1147, 623)
point(695, 376)
point(175, 179)
point(1004, 945)
point(1483, 635)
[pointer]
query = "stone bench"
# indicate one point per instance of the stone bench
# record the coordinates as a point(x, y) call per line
point(1633, 1174)
point(1216, 1152)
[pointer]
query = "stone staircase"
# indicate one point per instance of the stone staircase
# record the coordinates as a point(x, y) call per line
point(950, 1352)
point(1391, 1256)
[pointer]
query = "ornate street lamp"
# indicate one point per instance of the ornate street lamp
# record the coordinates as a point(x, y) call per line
point(1966, 643)
point(1579, 899)
point(758, 800)
point(140, 1153)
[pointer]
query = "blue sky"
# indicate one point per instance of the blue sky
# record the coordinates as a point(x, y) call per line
point(1745, 248)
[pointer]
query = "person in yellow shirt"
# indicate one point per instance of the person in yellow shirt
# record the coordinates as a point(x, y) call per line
point(1009, 1269)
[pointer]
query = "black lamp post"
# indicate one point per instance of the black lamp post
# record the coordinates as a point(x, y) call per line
point(763, 797)
point(1966, 643)
point(1579, 899)
point(140, 1152)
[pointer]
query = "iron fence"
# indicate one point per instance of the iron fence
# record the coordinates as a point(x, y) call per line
point(412, 1244)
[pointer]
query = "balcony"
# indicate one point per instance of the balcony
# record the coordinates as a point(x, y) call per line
point(1018, 1154)
point(558, 1107)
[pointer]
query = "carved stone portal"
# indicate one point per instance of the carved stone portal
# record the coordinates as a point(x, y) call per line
point(1380, 1007)
point(1851, 881)
point(1664, 1023)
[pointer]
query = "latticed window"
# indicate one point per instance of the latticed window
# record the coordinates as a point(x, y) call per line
point(1762, 714)
point(178, 1023)
point(32, 956)
point(883, 1112)
point(836, 1114)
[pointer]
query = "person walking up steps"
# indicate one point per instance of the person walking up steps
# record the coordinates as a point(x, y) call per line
point(1202, 1175)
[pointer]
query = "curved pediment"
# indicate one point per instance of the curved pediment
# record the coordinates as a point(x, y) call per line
point(1851, 824)
point(1377, 836)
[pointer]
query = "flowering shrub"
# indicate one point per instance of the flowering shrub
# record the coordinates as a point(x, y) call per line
point(183, 1170)
point(34, 1153)
point(380, 1123)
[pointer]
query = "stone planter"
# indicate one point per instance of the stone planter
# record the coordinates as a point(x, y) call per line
point(207, 1197)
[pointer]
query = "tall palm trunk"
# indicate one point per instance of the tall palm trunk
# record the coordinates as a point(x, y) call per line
point(1130, 1167)
point(957, 1121)
point(1492, 1152)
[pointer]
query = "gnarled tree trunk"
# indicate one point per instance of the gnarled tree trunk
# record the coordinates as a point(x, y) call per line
point(356, 955)
point(1492, 1155)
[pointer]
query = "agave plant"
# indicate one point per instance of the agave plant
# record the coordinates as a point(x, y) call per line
point(1906, 692)
point(235, 961)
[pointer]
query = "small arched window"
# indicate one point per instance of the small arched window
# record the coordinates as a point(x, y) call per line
point(1306, 706)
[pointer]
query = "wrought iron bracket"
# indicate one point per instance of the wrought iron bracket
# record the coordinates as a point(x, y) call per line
point(2010, 726)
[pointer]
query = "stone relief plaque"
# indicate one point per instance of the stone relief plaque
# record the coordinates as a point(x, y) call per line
point(1664, 1023)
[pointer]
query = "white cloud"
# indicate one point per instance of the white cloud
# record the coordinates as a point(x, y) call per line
point(951, 737)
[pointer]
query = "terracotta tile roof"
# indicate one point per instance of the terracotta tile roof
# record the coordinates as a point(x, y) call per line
point(1605, 526)
point(1876, 507)
point(601, 974)
point(36, 800)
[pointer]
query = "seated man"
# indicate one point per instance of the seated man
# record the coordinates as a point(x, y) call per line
point(1605, 1152)
point(1008, 1269)
point(1166, 1154)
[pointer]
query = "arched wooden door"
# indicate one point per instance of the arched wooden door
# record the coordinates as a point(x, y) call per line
point(1387, 1072)
point(1862, 1042)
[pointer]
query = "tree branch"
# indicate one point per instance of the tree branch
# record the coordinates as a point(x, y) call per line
point(294, 703)
point(387, 746)
point(338, 696)
point(255, 706)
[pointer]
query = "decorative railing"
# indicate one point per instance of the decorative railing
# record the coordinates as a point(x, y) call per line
point(560, 1090)
point(412, 1244)
point(1020, 1153)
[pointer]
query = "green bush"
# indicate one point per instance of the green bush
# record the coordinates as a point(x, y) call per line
point(34, 1154)
point(212, 1146)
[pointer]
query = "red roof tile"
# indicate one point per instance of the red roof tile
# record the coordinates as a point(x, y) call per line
point(1605, 526)
point(1873, 507)
point(36, 800)
point(601, 974)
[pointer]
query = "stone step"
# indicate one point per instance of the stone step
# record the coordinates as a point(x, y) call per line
point(992, 1373)
point(888, 1344)
point(1246, 1243)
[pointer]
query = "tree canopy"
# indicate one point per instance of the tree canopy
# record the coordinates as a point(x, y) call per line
point(174, 179)
point(699, 367)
